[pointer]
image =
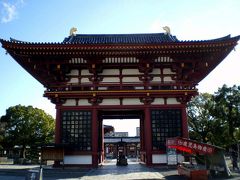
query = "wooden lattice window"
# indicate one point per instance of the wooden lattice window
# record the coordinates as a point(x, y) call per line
point(165, 123)
point(77, 129)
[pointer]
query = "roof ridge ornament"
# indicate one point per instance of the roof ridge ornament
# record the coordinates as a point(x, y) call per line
point(167, 30)
point(16, 41)
point(73, 31)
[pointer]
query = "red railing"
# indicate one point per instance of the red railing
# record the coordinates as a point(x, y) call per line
point(122, 86)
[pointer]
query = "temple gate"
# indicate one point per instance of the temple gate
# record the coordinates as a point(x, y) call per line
point(93, 77)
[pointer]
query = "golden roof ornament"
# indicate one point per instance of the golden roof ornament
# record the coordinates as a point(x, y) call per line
point(167, 30)
point(73, 31)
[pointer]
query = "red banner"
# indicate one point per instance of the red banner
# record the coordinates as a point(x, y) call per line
point(190, 146)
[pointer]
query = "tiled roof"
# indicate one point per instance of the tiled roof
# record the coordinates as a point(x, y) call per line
point(120, 38)
point(101, 39)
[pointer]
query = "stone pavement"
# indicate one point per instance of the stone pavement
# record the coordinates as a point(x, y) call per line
point(15, 172)
point(134, 170)
point(20, 172)
point(108, 171)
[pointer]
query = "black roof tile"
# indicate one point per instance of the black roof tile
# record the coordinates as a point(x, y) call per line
point(154, 38)
point(120, 38)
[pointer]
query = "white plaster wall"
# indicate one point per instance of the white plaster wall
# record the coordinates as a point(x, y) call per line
point(156, 79)
point(130, 71)
point(70, 102)
point(85, 80)
point(85, 72)
point(130, 79)
point(172, 101)
point(111, 79)
point(78, 159)
point(102, 88)
point(138, 87)
point(158, 101)
point(168, 71)
point(159, 158)
point(74, 80)
point(74, 72)
point(110, 102)
point(131, 101)
point(110, 72)
point(167, 79)
point(156, 71)
point(84, 102)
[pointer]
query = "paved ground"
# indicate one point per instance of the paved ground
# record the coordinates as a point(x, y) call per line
point(108, 171)
point(18, 172)
point(134, 170)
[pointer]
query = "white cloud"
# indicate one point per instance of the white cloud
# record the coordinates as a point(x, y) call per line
point(9, 11)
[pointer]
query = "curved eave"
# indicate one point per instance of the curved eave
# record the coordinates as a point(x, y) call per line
point(26, 46)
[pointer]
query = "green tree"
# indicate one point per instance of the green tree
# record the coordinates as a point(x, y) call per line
point(227, 109)
point(200, 120)
point(26, 126)
point(2, 126)
point(215, 118)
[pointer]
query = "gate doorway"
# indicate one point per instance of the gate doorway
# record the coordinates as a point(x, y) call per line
point(112, 134)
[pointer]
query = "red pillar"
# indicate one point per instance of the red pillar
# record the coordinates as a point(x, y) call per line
point(142, 136)
point(184, 123)
point(142, 144)
point(58, 125)
point(94, 138)
point(57, 130)
point(102, 139)
point(148, 136)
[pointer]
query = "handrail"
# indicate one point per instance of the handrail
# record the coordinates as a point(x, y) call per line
point(123, 86)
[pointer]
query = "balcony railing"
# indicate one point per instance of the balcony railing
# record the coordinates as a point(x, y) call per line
point(122, 86)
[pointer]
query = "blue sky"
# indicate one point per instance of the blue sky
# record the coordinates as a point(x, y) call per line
point(50, 21)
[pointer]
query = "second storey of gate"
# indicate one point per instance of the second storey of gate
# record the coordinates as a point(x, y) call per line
point(120, 69)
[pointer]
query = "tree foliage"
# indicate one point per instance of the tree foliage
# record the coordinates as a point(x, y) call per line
point(26, 126)
point(215, 118)
point(200, 120)
point(227, 108)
